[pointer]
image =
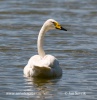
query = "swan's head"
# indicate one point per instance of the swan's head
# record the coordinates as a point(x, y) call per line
point(52, 24)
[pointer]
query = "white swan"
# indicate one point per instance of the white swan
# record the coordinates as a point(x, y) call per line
point(43, 65)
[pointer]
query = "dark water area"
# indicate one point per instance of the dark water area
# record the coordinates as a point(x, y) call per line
point(76, 49)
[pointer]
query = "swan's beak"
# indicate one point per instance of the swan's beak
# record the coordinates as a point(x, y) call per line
point(58, 26)
point(63, 29)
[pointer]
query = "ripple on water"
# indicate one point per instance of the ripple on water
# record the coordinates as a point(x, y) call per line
point(75, 49)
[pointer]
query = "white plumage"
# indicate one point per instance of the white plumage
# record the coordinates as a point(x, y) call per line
point(43, 65)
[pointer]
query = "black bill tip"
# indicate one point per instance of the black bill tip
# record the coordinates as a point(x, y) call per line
point(63, 29)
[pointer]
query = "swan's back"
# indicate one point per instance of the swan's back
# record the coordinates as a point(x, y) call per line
point(43, 67)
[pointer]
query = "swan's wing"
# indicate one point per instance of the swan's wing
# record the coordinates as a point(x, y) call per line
point(47, 61)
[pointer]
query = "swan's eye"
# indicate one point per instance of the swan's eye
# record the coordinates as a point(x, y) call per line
point(57, 25)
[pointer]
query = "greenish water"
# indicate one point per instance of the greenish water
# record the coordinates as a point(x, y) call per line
point(76, 49)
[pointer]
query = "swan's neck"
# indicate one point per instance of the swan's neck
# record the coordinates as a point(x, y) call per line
point(42, 32)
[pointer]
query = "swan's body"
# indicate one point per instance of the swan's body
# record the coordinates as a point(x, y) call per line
point(43, 65)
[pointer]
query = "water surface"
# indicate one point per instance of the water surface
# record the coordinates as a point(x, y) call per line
point(76, 49)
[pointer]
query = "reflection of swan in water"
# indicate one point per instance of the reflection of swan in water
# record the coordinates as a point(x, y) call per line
point(38, 82)
point(41, 87)
point(44, 65)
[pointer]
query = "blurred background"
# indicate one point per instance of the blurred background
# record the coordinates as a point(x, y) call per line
point(76, 49)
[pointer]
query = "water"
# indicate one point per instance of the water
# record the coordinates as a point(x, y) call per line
point(76, 49)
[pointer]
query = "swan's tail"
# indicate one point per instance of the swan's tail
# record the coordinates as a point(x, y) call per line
point(41, 71)
point(37, 70)
point(42, 68)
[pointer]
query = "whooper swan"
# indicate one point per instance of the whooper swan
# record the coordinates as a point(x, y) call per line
point(43, 65)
